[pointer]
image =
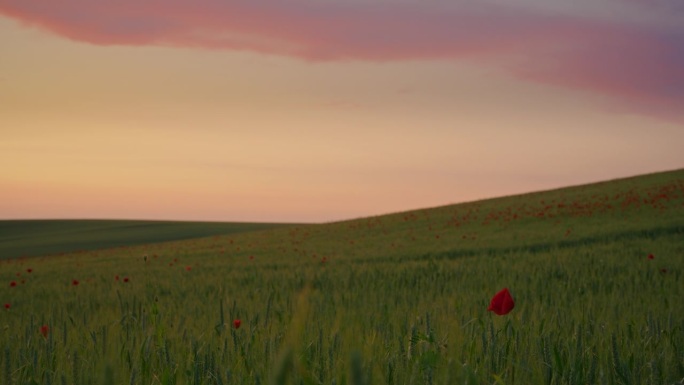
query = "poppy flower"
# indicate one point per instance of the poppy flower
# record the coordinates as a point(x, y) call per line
point(188, 268)
point(75, 282)
point(116, 277)
point(236, 324)
point(7, 306)
point(44, 330)
point(125, 279)
point(13, 284)
point(663, 271)
point(502, 302)
point(29, 270)
point(651, 256)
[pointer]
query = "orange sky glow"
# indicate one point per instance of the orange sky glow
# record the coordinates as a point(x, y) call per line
point(309, 111)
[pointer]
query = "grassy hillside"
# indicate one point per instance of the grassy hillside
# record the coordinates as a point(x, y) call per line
point(42, 237)
point(595, 271)
point(644, 207)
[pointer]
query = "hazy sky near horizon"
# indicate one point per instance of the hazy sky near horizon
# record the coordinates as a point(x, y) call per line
point(303, 110)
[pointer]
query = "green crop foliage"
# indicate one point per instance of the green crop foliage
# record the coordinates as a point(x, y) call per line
point(394, 299)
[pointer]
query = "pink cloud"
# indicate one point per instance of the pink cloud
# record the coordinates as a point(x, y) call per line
point(312, 30)
point(639, 69)
point(639, 72)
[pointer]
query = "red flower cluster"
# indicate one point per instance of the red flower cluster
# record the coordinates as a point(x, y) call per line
point(8, 306)
point(44, 330)
point(236, 324)
point(75, 282)
point(502, 302)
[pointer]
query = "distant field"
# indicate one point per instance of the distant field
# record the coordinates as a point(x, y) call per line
point(41, 237)
point(596, 273)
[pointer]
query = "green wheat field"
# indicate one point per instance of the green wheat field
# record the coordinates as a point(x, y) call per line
point(596, 273)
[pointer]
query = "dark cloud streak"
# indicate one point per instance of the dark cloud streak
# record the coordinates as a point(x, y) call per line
point(639, 68)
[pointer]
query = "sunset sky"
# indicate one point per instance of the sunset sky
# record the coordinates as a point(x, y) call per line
point(321, 110)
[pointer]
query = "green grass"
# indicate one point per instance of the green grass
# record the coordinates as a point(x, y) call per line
point(397, 299)
point(22, 238)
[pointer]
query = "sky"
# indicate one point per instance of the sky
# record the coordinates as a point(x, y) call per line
point(324, 110)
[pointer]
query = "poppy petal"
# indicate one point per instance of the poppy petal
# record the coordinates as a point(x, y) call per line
point(502, 303)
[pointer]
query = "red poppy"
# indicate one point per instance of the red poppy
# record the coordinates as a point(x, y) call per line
point(663, 271)
point(44, 330)
point(236, 324)
point(502, 302)
point(116, 277)
point(651, 256)
point(75, 282)
point(29, 270)
point(7, 306)
point(125, 279)
point(13, 284)
point(188, 268)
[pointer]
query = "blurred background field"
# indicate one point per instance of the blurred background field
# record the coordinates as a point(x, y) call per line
point(30, 238)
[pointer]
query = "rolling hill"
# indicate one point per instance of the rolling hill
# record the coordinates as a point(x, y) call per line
point(594, 273)
point(23, 238)
point(646, 205)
